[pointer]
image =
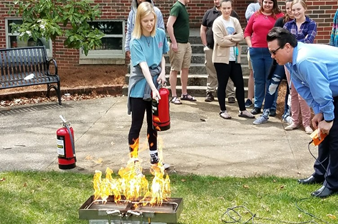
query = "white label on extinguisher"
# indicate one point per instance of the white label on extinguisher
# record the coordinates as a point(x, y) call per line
point(60, 147)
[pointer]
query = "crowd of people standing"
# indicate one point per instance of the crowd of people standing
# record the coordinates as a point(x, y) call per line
point(264, 73)
point(221, 34)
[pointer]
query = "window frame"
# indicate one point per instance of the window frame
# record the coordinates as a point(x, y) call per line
point(8, 35)
point(107, 54)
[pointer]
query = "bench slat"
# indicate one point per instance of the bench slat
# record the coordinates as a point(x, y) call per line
point(27, 66)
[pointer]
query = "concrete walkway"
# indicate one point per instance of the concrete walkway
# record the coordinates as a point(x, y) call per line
point(199, 141)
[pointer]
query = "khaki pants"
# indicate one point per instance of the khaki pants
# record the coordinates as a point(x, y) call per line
point(180, 59)
point(212, 82)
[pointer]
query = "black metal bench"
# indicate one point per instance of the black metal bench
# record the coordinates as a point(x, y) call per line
point(28, 66)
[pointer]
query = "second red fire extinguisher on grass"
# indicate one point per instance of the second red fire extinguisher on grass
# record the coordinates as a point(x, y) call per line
point(66, 146)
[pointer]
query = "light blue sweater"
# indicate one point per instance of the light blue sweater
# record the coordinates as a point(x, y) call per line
point(131, 22)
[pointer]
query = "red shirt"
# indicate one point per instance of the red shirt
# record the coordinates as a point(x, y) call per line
point(258, 28)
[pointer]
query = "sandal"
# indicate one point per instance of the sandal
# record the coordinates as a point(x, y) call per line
point(246, 114)
point(175, 100)
point(224, 115)
point(188, 97)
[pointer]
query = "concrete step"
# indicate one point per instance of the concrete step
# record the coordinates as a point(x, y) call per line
point(197, 58)
point(199, 48)
point(200, 69)
point(195, 79)
point(194, 39)
point(199, 91)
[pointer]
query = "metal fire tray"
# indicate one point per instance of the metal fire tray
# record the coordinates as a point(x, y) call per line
point(168, 212)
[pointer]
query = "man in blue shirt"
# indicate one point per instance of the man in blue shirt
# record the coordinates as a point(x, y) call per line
point(314, 73)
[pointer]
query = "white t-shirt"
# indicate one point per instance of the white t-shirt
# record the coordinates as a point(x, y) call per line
point(230, 28)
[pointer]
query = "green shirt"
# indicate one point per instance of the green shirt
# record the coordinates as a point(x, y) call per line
point(181, 25)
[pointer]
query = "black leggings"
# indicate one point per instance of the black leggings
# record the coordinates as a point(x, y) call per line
point(138, 107)
point(234, 71)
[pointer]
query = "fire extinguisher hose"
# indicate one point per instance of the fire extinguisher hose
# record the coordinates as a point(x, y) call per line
point(71, 140)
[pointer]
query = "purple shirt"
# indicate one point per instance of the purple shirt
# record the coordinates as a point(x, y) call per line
point(307, 31)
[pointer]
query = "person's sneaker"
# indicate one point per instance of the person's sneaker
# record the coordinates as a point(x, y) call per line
point(256, 110)
point(308, 130)
point(248, 103)
point(166, 166)
point(288, 120)
point(290, 127)
point(209, 97)
point(154, 159)
point(272, 113)
point(261, 120)
point(224, 115)
point(231, 100)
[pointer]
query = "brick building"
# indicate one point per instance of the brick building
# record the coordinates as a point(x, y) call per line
point(113, 22)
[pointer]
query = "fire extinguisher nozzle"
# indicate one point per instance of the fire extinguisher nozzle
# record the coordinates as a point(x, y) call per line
point(63, 119)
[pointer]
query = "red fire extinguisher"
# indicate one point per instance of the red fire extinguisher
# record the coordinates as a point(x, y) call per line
point(66, 146)
point(160, 109)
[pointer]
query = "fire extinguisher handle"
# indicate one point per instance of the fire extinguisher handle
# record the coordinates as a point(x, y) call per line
point(160, 84)
point(156, 98)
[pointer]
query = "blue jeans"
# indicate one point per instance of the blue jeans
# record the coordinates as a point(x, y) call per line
point(261, 63)
point(272, 91)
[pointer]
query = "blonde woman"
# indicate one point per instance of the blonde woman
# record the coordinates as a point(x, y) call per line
point(226, 58)
point(147, 48)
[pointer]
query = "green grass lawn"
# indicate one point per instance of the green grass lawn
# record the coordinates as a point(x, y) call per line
point(55, 197)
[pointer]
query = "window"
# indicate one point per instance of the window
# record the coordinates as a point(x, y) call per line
point(13, 41)
point(112, 44)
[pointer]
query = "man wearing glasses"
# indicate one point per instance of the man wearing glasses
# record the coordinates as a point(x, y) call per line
point(314, 73)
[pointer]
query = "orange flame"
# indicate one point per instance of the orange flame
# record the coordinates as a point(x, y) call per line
point(156, 119)
point(132, 183)
point(97, 184)
point(160, 187)
point(135, 146)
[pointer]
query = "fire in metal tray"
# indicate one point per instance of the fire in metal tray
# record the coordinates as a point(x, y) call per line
point(167, 212)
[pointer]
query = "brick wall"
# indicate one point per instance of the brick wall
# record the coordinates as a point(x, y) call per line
point(68, 59)
point(3, 12)
point(322, 12)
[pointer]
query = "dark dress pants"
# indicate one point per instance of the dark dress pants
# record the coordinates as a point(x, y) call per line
point(326, 165)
